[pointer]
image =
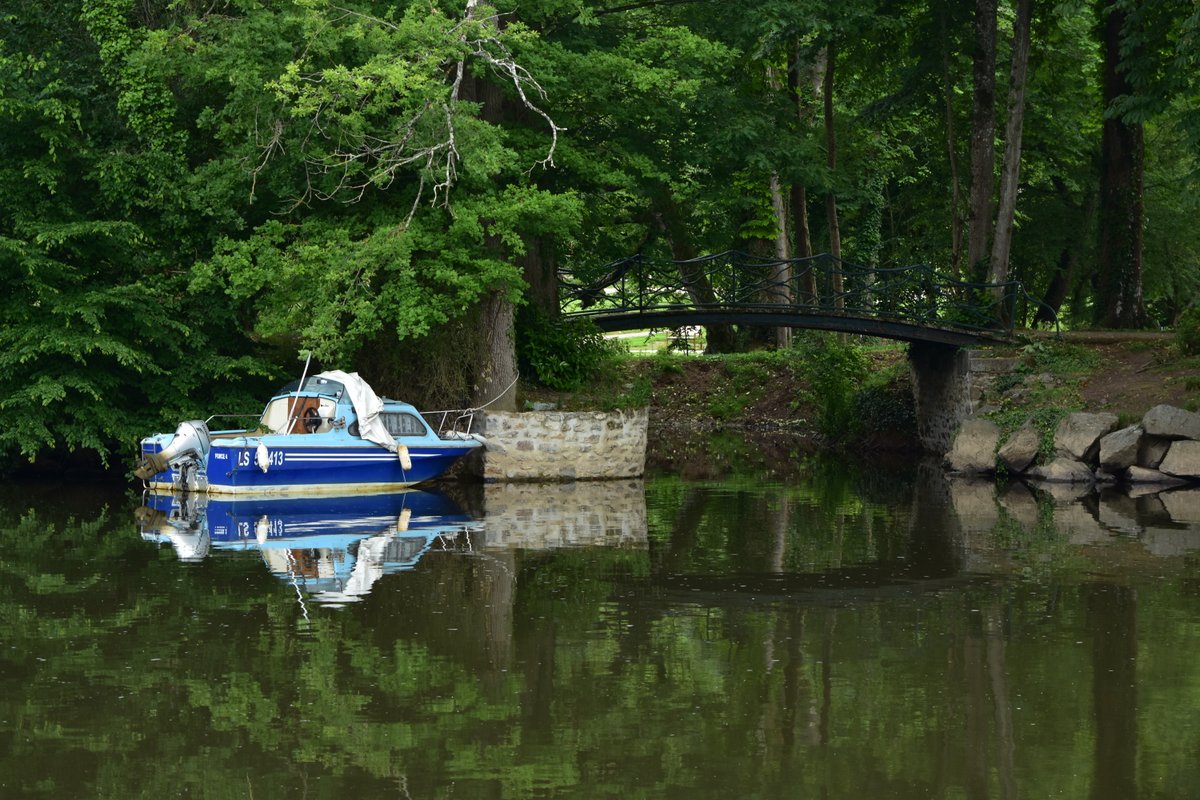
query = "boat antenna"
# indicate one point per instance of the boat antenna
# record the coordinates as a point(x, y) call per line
point(296, 396)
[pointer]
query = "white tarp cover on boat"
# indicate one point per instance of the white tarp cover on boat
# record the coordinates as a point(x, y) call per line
point(367, 406)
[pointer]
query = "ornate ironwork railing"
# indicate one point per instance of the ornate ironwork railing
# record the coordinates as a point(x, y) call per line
point(820, 285)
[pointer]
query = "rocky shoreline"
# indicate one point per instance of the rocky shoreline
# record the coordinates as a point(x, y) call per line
point(1162, 450)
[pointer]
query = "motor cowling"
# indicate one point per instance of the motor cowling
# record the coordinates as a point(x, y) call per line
point(191, 440)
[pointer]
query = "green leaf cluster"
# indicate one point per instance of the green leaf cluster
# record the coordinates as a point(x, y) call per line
point(560, 354)
point(1187, 332)
point(835, 370)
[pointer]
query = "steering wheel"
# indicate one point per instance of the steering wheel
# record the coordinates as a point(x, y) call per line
point(312, 420)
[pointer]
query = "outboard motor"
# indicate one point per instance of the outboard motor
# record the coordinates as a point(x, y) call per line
point(191, 439)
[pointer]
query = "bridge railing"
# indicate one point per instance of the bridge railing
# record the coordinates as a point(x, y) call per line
point(820, 285)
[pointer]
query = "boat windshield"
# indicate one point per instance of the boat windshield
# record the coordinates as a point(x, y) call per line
point(316, 385)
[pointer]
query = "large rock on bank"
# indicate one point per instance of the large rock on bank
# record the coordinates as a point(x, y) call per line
point(1021, 448)
point(1078, 435)
point(1150, 477)
point(974, 449)
point(1183, 459)
point(1063, 470)
point(1163, 451)
point(1119, 449)
point(1151, 451)
point(1170, 422)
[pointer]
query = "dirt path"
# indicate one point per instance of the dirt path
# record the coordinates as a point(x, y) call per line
point(1137, 373)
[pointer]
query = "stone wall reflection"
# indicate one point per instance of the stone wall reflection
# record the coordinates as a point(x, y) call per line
point(542, 516)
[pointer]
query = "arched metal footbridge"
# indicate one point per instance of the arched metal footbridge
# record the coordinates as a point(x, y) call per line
point(912, 304)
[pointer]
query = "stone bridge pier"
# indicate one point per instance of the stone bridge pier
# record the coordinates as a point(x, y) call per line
point(941, 392)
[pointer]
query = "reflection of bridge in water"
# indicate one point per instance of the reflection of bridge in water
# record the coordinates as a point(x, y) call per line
point(912, 303)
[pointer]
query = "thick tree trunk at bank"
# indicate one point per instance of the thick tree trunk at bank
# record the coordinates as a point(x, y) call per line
point(1119, 281)
point(1057, 290)
point(1063, 278)
point(496, 359)
point(495, 383)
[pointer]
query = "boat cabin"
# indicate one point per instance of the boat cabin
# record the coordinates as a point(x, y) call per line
point(313, 408)
point(310, 409)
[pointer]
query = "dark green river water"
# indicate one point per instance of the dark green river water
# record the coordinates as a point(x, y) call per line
point(839, 634)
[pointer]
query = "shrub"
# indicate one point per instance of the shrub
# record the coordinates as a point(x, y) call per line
point(1187, 331)
point(834, 370)
point(560, 354)
point(666, 364)
point(885, 408)
point(1058, 358)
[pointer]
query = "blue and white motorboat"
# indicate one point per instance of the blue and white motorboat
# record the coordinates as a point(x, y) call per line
point(334, 548)
point(328, 433)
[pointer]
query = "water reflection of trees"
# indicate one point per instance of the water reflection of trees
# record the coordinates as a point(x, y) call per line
point(602, 671)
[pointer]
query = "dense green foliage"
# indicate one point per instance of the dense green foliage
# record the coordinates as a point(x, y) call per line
point(561, 354)
point(1187, 332)
point(194, 192)
point(835, 370)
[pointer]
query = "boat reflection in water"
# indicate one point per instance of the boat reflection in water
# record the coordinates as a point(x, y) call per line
point(332, 548)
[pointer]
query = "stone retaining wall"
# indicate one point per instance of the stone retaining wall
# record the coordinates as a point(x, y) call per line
point(563, 445)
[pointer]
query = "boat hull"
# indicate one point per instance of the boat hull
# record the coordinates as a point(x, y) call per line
point(293, 470)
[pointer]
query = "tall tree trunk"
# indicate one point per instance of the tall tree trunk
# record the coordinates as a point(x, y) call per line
point(835, 234)
point(1010, 175)
point(781, 273)
point(496, 360)
point(1057, 290)
point(540, 271)
point(956, 226)
point(781, 277)
point(983, 131)
point(809, 292)
point(1119, 286)
point(807, 286)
